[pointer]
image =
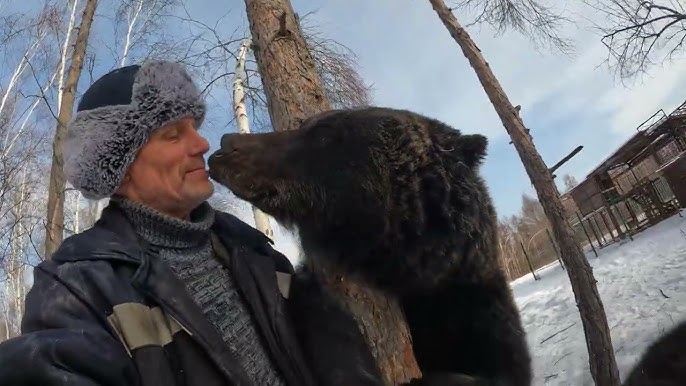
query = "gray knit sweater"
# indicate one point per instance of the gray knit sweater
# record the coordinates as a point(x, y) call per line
point(186, 246)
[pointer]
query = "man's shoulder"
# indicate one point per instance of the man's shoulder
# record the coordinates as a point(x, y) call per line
point(92, 253)
point(97, 243)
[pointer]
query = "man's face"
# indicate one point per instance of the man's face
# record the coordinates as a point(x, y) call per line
point(169, 173)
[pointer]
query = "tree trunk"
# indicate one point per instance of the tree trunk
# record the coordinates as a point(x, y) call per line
point(294, 92)
point(601, 355)
point(54, 231)
point(241, 114)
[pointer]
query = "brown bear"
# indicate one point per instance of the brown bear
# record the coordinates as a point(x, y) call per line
point(664, 362)
point(397, 199)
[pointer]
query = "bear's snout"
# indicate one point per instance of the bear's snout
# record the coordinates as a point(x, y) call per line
point(236, 144)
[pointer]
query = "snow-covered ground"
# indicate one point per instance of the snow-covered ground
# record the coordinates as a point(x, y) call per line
point(630, 276)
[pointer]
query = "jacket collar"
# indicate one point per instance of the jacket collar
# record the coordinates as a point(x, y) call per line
point(112, 237)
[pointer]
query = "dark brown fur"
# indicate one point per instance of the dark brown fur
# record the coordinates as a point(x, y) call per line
point(664, 361)
point(396, 198)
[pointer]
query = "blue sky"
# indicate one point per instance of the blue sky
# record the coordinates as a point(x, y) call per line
point(413, 63)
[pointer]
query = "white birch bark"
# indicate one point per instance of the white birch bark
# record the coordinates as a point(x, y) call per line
point(64, 52)
point(129, 30)
point(60, 91)
point(28, 55)
point(19, 241)
point(261, 219)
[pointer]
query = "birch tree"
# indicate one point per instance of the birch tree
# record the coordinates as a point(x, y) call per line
point(27, 40)
point(241, 114)
point(294, 91)
point(601, 355)
point(61, 68)
point(55, 215)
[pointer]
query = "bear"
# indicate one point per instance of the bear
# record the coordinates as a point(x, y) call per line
point(663, 363)
point(395, 198)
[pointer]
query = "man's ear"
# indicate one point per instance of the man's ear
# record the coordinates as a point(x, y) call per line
point(473, 148)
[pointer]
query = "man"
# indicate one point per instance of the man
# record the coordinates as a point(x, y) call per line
point(163, 289)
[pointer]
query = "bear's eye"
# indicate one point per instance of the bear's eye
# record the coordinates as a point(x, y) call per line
point(324, 140)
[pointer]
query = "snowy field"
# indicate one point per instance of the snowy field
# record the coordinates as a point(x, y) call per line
point(630, 276)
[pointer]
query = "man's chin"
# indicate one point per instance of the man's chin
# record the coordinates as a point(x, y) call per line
point(201, 192)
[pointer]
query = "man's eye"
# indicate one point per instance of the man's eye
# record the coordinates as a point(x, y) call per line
point(172, 135)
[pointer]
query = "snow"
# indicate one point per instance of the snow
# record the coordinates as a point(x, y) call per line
point(630, 276)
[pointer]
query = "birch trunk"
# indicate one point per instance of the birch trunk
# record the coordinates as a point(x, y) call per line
point(55, 218)
point(294, 92)
point(60, 86)
point(26, 58)
point(64, 52)
point(8, 143)
point(7, 323)
point(601, 355)
point(241, 114)
point(129, 32)
point(16, 274)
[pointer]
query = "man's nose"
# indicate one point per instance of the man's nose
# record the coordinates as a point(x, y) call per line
point(199, 143)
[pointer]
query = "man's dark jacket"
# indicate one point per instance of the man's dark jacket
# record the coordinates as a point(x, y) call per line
point(106, 310)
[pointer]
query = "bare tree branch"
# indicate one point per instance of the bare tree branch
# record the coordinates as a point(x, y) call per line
point(640, 33)
point(532, 18)
point(337, 68)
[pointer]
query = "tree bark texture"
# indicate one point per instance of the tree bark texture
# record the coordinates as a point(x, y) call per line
point(54, 231)
point(294, 92)
point(601, 355)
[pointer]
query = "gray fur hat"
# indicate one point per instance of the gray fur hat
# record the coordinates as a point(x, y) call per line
point(115, 118)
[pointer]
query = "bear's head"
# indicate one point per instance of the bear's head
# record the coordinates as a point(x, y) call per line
point(387, 193)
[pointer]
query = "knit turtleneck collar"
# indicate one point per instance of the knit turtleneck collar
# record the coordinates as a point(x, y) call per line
point(167, 232)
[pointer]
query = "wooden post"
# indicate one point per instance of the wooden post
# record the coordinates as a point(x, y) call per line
point(581, 222)
point(526, 255)
point(607, 227)
point(626, 226)
point(557, 253)
point(597, 225)
point(595, 232)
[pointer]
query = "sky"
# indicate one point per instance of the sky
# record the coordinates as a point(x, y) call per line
point(412, 62)
point(408, 56)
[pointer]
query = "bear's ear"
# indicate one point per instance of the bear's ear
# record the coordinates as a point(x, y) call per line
point(473, 148)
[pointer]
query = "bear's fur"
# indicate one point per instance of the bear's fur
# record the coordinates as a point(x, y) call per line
point(395, 198)
point(663, 363)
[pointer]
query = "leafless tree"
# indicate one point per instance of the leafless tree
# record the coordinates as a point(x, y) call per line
point(212, 55)
point(21, 145)
point(569, 182)
point(602, 361)
point(640, 33)
point(337, 67)
point(540, 23)
point(55, 213)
